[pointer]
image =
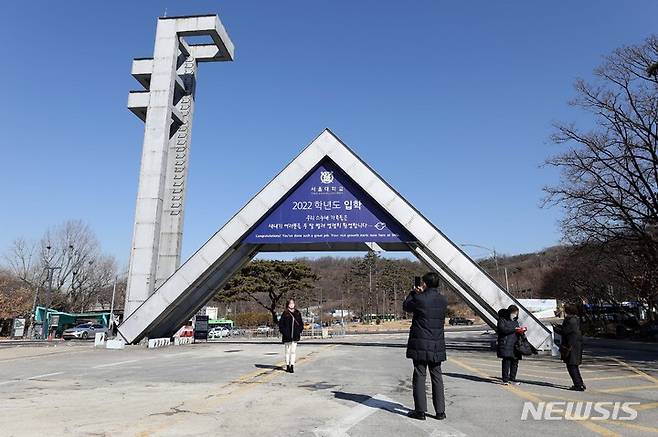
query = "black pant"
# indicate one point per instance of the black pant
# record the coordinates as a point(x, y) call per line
point(420, 394)
point(510, 366)
point(574, 372)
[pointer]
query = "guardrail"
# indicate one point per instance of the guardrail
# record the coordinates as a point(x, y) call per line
point(333, 331)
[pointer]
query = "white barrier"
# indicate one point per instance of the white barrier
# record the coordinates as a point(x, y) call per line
point(99, 339)
point(115, 344)
point(158, 342)
point(178, 341)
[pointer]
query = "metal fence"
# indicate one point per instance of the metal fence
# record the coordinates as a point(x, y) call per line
point(334, 331)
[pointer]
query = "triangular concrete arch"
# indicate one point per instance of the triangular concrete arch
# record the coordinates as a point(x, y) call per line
point(194, 283)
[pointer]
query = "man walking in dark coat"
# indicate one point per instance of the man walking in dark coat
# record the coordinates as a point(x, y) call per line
point(426, 345)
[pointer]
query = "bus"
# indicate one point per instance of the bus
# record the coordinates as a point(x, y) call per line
point(221, 323)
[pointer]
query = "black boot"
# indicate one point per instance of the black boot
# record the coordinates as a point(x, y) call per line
point(288, 368)
point(440, 416)
point(419, 415)
point(292, 369)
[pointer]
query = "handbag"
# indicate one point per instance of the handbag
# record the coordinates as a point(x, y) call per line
point(523, 346)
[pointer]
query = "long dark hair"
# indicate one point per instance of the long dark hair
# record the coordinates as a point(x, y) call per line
point(292, 299)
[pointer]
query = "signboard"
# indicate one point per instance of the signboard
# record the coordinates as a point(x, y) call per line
point(19, 328)
point(540, 308)
point(328, 207)
point(201, 327)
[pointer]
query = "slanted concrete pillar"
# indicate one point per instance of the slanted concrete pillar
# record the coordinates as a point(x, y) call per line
point(166, 106)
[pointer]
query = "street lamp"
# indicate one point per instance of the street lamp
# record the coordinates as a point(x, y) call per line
point(46, 319)
point(495, 258)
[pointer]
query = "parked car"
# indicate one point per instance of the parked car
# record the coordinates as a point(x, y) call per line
point(460, 321)
point(263, 329)
point(84, 331)
point(219, 332)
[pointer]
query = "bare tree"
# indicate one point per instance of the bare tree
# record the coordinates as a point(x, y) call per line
point(609, 173)
point(71, 255)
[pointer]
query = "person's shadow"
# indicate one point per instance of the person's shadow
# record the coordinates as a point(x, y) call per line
point(500, 382)
point(470, 377)
point(268, 366)
point(373, 402)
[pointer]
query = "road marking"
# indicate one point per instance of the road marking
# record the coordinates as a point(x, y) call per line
point(66, 351)
point(564, 377)
point(101, 366)
point(534, 398)
point(355, 416)
point(533, 368)
point(178, 354)
point(238, 386)
point(641, 407)
point(45, 375)
point(371, 406)
point(631, 388)
point(649, 406)
point(598, 429)
point(632, 426)
point(604, 378)
point(636, 370)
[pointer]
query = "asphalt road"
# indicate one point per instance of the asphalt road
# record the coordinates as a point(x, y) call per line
point(352, 386)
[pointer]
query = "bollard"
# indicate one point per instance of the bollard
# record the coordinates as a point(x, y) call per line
point(99, 339)
point(115, 344)
point(158, 342)
point(179, 341)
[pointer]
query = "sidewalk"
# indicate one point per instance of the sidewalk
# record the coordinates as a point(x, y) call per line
point(27, 342)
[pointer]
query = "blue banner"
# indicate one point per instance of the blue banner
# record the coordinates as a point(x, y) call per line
point(328, 207)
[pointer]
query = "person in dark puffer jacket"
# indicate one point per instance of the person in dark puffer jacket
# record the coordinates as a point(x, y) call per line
point(426, 345)
point(508, 330)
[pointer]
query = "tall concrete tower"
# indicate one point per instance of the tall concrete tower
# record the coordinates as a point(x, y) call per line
point(166, 106)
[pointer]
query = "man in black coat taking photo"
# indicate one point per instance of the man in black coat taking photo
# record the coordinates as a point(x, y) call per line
point(426, 345)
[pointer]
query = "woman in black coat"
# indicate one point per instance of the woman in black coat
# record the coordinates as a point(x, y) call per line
point(508, 330)
point(291, 326)
point(571, 347)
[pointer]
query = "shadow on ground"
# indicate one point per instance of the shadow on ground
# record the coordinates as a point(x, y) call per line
point(380, 404)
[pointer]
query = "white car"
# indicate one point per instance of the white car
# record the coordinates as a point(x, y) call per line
point(263, 329)
point(219, 332)
point(84, 331)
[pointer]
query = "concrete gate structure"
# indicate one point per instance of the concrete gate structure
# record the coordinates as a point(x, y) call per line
point(166, 106)
point(326, 199)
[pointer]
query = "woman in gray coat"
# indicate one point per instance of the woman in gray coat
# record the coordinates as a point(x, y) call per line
point(571, 347)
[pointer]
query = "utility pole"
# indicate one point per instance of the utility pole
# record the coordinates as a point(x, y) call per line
point(370, 282)
point(320, 307)
point(342, 307)
point(506, 280)
point(493, 253)
point(395, 301)
point(114, 290)
point(46, 318)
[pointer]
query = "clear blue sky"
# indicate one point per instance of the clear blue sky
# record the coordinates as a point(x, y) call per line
point(451, 102)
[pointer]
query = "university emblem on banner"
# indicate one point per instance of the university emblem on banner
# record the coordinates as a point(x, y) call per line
point(326, 177)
